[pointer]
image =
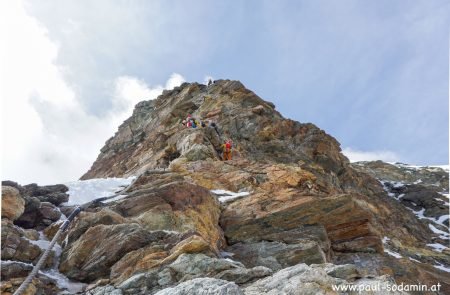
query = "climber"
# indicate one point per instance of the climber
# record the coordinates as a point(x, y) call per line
point(209, 82)
point(214, 125)
point(193, 124)
point(227, 150)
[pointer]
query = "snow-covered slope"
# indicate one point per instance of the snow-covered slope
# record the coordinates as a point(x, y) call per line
point(83, 191)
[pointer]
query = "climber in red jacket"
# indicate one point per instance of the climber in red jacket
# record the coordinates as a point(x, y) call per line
point(227, 150)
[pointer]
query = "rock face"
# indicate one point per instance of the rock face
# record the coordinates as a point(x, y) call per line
point(82, 261)
point(306, 203)
point(55, 194)
point(316, 279)
point(277, 255)
point(299, 279)
point(205, 286)
point(287, 215)
point(26, 212)
point(162, 217)
point(40, 204)
point(15, 246)
point(13, 204)
point(429, 176)
point(190, 266)
point(155, 130)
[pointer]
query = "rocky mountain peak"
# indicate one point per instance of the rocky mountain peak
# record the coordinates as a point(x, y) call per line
point(288, 214)
point(154, 135)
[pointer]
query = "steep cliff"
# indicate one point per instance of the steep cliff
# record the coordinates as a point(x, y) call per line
point(288, 206)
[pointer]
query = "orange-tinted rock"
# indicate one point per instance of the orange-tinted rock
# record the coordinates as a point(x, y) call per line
point(13, 204)
point(167, 202)
point(86, 220)
point(153, 256)
point(301, 187)
point(259, 215)
point(92, 255)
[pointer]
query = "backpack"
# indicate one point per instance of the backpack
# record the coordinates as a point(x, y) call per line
point(228, 146)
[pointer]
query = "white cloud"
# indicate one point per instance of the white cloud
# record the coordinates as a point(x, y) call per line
point(356, 156)
point(174, 81)
point(47, 135)
point(131, 90)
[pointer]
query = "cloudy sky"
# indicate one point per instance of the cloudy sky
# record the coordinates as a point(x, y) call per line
point(374, 74)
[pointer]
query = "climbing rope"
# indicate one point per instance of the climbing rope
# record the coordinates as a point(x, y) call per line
point(64, 227)
point(44, 256)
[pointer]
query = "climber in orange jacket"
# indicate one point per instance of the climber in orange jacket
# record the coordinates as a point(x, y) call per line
point(227, 150)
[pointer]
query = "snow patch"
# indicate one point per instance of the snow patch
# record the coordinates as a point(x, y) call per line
point(443, 235)
point(442, 267)
point(8, 262)
point(42, 243)
point(447, 198)
point(417, 167)
point(392, 253)
point(63, 282)
point(437, 247)
point(225, 195)
point(171, 232)
point(84, 191)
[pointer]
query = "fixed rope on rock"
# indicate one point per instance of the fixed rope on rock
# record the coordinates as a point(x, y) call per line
point(44, 256)
point(64, 226)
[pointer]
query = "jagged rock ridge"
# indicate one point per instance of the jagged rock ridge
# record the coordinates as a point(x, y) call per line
point(306, 207)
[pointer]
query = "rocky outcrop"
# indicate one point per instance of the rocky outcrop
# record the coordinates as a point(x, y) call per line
point(18, 245)
point(13, 204)
point(299, 279)
point(55, 194)
point(87, 259)
point(205, 286)
point(428, 176)
point(162, 217)
point(417, 196)
point(186, 267)
point(347, 223)
point(277, 255)
point(166, 249)
point(404, 269)
point(153, 136)
point(165, 201)
point(289, 202)
point(40, 208)
point(37, 214)
point(88, 219)
point(305, 201)
point(40, 285)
